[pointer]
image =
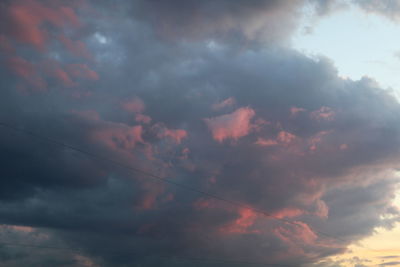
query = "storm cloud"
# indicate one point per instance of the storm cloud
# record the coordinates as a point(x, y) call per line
point(164, 88)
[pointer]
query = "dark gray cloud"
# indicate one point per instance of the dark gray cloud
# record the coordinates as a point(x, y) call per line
point(268, 127)
point(244, 21)
point(389, 8)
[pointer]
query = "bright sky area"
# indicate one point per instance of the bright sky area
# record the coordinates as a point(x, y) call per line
point(359, 44)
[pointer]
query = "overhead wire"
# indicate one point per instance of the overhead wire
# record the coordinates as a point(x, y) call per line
point(162, 179)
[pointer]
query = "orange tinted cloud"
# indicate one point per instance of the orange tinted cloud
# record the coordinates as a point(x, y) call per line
point(28, 17)
point(21, 67)
point(149, 200)
point(27, 72)
point(285, 137)
point(315, 140)
point(122, 137)
point(295, 110)
point(5, 45)
point(54, 69)
point(231, 126)
point(19, 228)
point(142, 118)
point(288, 213)
point(266, 142)
point(62, 76)
point(135, 105)
point(81, 71)
point(204, 203)
point(343, 147)
point(242, 224)
point(177, 135)
point(299, 232)
point(36, 74)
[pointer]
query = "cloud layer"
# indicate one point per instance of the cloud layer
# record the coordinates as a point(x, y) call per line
point(170, 92)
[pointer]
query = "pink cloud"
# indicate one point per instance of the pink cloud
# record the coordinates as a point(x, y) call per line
point(120, 138)
point(266, 142)
point(322, 210)
point(241, 225)
point(81, 71)
point(315, 140)
point(28, 17)
point(259, 124)
point(21, 67)
point(76, 48)
point(30, 22)
point(169, 197)
point(5, 45)
point(212, 180)
point(288, 213)
point(185, 153)
point(148, 202)
point(54, 69)
point(63, 77)
point(176, 135)
point(203, 203)
point(142, 118)
point(25, 229)
point(304, 233)
point(324, 113)
point(149, 199)
point(285, 137)
point(343, 147)
point(234, 125)
point(225, 103)
point(298, 232)
point(27, 71)
point(295, 110)
point(135, 105)
point(36, 74)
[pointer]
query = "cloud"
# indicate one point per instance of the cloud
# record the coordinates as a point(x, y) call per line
point(26, 19)
point(387, 8)
point(135, 105)
point(324, 113)
point(391, 263)
point(224, 104)
point(234, 125)
point(266, 19)
point(264, 126)
point(177, 135)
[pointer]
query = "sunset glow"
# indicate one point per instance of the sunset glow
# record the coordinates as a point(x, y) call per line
point(200, 133)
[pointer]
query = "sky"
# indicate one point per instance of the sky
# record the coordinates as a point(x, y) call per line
point(210, 133)
point(359, 43)
point(373, 52)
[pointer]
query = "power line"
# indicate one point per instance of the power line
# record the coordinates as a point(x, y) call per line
point(159, 178)
point(137, 170)
point(195, 259)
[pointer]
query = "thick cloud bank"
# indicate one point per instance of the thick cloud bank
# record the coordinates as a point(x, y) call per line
point(266, 127)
